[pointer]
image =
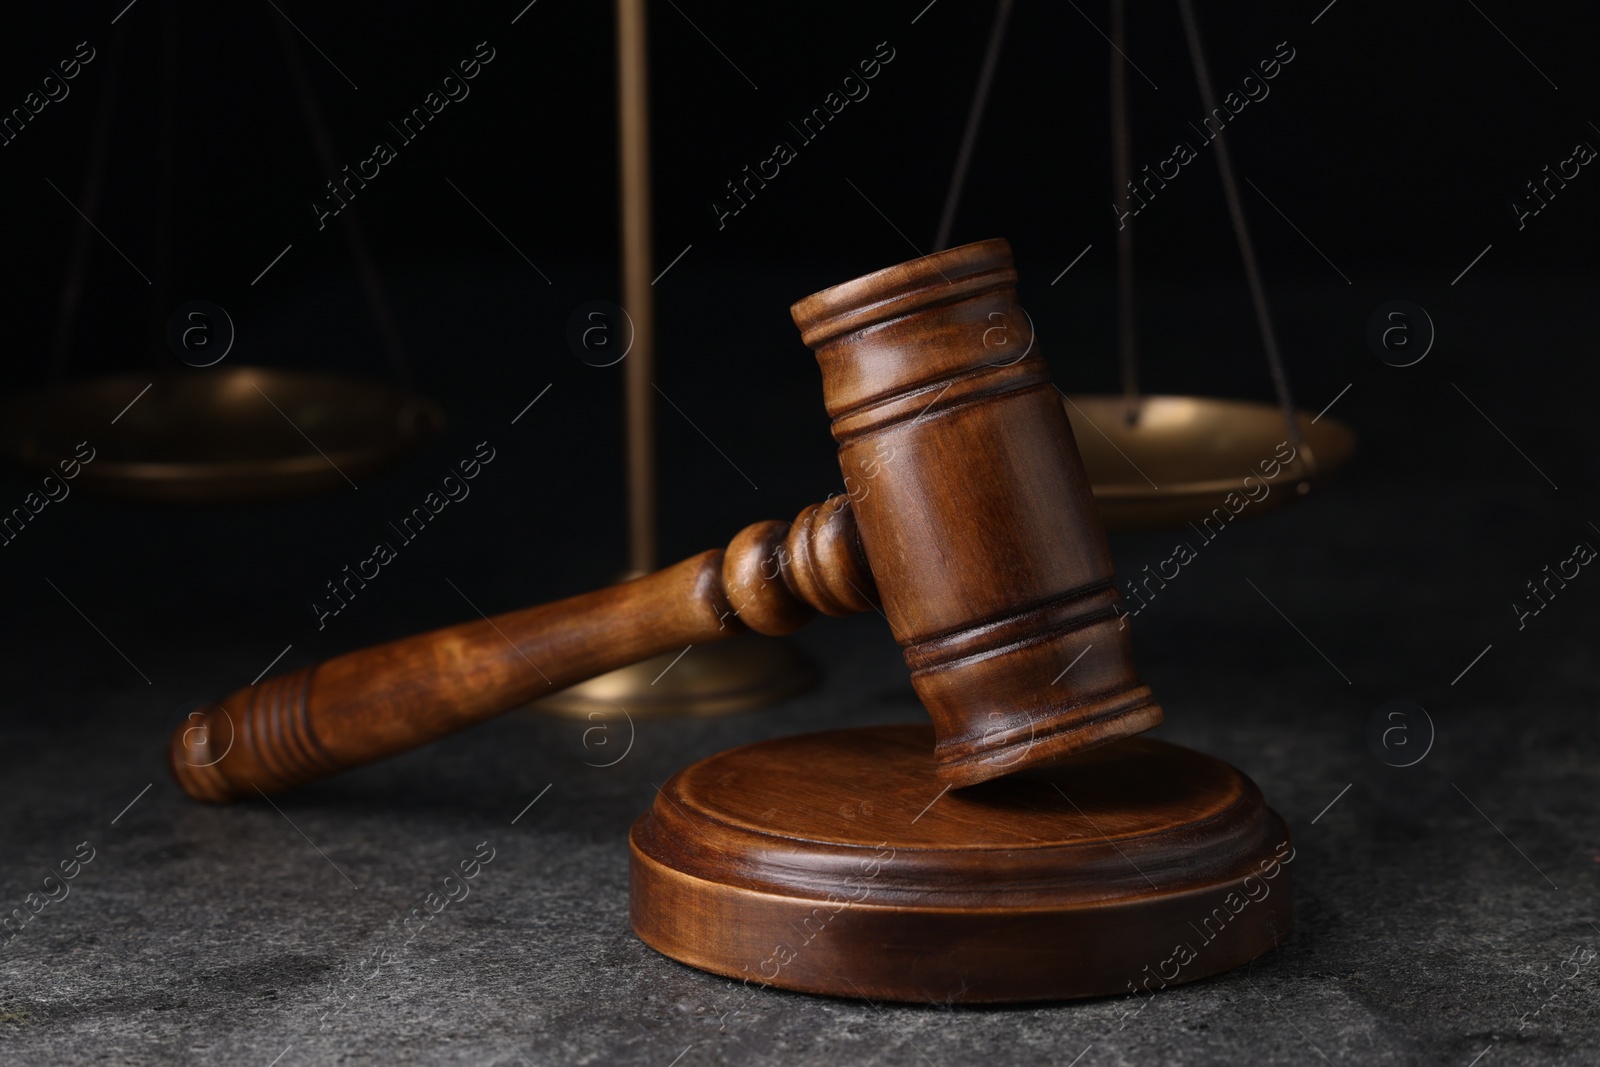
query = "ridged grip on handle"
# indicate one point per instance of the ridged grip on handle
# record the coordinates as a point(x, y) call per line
point(380, 701)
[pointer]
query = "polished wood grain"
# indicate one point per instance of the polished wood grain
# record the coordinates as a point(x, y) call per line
point(841, 863)
point(975, 513)
point(376, 702)
point(966, 508)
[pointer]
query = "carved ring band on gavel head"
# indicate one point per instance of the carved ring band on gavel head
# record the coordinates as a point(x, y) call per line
point(979, 523)
point(974, 529)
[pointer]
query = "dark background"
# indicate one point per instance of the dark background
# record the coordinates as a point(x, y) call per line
point(1395, 141)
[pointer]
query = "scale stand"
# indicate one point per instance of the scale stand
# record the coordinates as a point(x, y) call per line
point(716, 679)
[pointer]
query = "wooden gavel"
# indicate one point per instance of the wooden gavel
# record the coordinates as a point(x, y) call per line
point(971, 522)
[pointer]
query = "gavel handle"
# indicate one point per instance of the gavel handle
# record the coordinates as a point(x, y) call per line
point(379, 701)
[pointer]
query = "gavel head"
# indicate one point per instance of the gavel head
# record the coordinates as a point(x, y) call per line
point(974, 512)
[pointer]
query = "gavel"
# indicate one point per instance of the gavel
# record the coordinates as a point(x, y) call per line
point(970, 525)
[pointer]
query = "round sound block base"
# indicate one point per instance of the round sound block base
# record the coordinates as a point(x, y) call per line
point(837, 863)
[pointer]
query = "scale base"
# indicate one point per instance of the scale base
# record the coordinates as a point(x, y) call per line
point(734, 675)
point(837, 863)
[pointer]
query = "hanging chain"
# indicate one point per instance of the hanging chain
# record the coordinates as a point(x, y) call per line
point(1230, 189)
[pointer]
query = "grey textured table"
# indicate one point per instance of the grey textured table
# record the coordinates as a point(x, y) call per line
point(1445, 912)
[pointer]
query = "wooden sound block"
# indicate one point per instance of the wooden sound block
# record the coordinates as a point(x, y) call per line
point(838, 863)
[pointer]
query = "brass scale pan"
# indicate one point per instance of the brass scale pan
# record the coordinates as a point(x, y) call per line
point(224, 436)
